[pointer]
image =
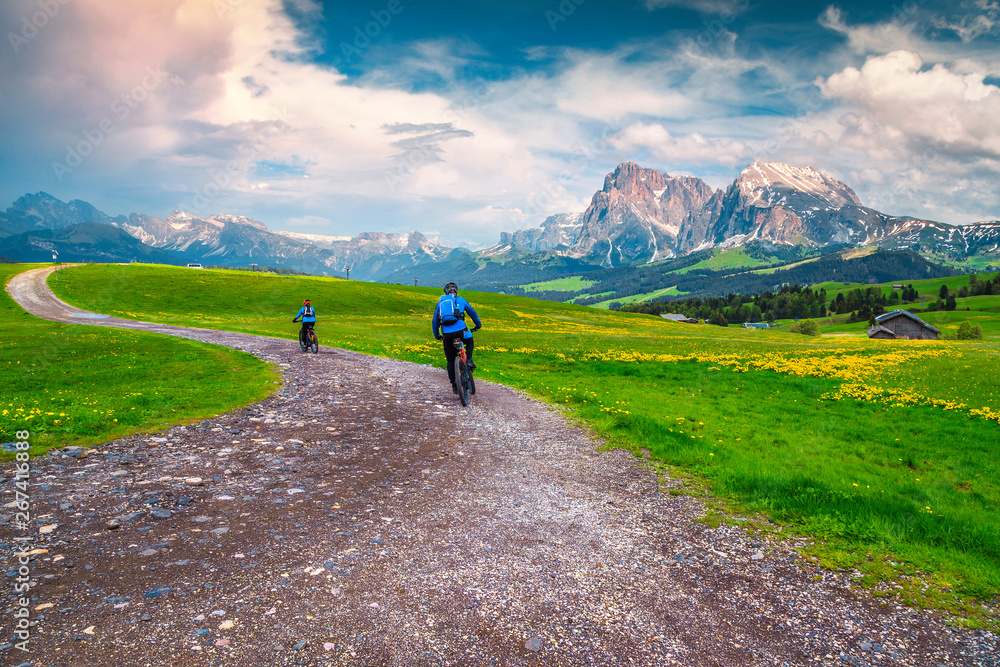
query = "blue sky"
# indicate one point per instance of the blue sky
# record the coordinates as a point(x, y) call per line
point(463, 119)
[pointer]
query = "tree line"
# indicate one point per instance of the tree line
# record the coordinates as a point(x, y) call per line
point(797, 302)
point(789, 301)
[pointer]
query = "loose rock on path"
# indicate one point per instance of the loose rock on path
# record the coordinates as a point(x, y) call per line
point(360, 516)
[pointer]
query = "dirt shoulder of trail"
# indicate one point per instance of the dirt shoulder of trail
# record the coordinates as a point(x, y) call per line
point(360, 516)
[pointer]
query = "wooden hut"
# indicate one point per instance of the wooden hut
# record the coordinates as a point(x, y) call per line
point(902, 324)
point(677, 317)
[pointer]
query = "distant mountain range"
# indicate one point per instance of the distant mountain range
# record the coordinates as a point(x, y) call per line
point(643, 215)
point(36, 226)
point(640, 216)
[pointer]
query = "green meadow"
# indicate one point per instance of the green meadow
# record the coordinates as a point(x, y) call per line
point(637, 298)
point(571, 284)
point(883, 452)
point(82, 385)
point(982, 310)
point(724, 258)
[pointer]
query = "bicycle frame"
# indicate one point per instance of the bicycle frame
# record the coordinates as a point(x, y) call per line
point(310, 340)
point(463, 374)
point(460, 346)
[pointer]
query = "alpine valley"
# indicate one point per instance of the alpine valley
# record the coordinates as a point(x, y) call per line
point(644, 230)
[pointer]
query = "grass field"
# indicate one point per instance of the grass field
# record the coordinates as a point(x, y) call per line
point(571, 284)
point(637, 298)
point(929, 288)
point(725, 258)
point(969, 264)
point(80, 385)
point(981, 310)
point(885, 452)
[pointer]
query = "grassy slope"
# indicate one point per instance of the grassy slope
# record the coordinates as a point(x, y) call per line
point(784, 267)
point(722, 259)
point(80, 385)
point(975, 263)
point(982, 310)
point(929, 288)
point(772, 422)
point(725, 258)
point(571, 284)
point(636, 298)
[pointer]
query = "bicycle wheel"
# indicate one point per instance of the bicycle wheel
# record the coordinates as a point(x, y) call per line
point(462, 381)
point(472, 384)
point(313, 342)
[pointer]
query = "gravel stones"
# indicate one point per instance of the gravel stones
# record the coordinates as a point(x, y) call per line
point(423, 533)
point(156, 592)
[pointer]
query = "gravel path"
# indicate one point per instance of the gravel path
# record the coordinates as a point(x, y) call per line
point(360, 516)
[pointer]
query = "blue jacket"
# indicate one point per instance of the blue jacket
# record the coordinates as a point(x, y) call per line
point(462, 306)
point(302, 312)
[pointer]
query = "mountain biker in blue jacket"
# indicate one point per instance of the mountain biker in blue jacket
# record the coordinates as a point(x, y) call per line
point(448, 324)
point(308, 315)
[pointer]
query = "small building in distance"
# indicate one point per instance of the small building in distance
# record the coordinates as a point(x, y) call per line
point(902, 324)
point(677, 317)
point(760, 325)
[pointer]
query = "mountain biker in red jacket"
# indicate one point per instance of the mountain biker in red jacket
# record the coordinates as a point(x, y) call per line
point(448, 323)
point(308, 315)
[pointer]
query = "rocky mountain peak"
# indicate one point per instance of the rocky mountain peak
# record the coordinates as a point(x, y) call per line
point(765, 184)
point(238, 220)
point(631, 179)
point(43, 211)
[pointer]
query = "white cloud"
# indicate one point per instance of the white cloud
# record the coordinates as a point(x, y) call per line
point(897, 33)
point(900, 101)
point(910, 139)
point(982, 18)
point(468, 159)
point(603, 88)
point(703, 6)
point(691, 148)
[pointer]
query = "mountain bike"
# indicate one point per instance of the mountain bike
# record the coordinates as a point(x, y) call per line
point(463, 375)
point(309, 342)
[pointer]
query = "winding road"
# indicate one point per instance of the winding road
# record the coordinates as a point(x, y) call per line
point(360, 516)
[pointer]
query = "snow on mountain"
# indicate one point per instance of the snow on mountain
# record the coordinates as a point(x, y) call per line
point(766, 184)
point(557, 230)
point(321, 240)
point(641, 215)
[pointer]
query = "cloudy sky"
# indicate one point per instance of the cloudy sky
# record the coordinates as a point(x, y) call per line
point(464, 118)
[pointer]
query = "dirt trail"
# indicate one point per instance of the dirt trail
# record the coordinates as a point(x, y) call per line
point(360, 516)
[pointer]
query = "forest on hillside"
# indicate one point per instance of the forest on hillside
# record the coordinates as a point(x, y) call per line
point(509, 272)
point(796, 301)
point(878, 267)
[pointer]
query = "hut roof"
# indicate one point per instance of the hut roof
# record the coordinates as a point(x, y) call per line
point(905, 313)
point(677, 317)
point(877, 328)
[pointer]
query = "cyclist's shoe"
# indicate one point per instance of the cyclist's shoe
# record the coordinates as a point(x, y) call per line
point(454, 388)
point(472, 366)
